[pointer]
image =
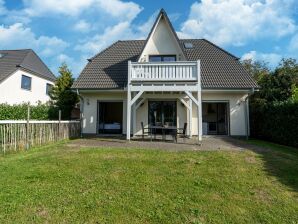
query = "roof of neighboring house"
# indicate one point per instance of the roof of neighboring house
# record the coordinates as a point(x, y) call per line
point(26, 59)
point(219, 69)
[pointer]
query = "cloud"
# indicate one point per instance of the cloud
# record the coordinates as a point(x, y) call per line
point(125, 30)
point(272, 59)
point(82, 26)
point(235, 22)
point(75, 64)
point(18, 36)
point(99, 41)
point(115, 8)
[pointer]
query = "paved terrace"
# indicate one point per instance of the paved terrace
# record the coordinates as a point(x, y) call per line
point(209, 143)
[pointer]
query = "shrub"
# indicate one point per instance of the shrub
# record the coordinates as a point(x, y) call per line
point(19, 112)
point(277, 122)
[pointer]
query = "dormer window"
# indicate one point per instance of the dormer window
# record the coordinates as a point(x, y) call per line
point(164, 58)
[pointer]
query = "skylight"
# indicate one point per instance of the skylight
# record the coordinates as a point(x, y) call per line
point(188, 45)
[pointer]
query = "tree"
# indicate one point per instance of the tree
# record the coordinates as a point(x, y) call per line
point(276, 85)
point(62, 96)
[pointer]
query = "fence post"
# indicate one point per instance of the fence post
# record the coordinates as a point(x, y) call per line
point(59, 125)
point(28, 127)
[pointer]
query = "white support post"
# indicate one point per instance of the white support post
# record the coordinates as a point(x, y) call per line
point(128, 106)
point(199, 106)
point(134, 115)
point(190, 118)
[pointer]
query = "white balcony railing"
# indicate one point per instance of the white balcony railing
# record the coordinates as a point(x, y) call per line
point(164, 71)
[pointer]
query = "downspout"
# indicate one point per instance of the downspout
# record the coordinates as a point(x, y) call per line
point(81, 112)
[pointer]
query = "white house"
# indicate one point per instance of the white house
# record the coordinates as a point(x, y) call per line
point(24, 78)
point(165, 81)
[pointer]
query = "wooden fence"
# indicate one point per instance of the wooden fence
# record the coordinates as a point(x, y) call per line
point(22, 134)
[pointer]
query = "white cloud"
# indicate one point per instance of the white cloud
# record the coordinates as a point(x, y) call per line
point(111, 34)
point(115, 8)
point(235, 22)
point(76, 65)
point(82, 26)
point(18, 36)
point(122, 31)
point(272, 59)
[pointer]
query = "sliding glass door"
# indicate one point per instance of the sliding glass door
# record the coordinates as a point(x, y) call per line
point(162, 113)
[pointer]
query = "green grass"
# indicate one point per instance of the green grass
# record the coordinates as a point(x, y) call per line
point(59, 184)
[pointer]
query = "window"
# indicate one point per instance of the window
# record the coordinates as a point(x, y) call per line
point(26, 82)
point(49, 88)
point(159, 58)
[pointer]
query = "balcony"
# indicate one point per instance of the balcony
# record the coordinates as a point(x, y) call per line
point(164, 71)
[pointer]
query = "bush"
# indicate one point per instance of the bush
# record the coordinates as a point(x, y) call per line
point(277, 122)
point(19, 112)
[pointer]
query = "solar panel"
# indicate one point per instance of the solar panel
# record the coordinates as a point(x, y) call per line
point(188, 45)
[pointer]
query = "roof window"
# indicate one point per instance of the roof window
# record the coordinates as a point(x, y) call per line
point(188, 45)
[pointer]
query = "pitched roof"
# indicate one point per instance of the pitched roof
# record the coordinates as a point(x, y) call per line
point(219, 69)
point(26, 59)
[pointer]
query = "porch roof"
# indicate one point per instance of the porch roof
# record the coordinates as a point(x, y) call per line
point(219, 69)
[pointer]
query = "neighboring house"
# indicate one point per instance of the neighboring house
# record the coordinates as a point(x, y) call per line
point(24, 77)
point(165, 81)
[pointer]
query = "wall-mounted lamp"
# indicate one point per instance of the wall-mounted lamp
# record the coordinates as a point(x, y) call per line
point(87, 102)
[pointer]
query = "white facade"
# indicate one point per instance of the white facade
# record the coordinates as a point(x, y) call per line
point(12, 93)
point(235, 100)
point(177, 81)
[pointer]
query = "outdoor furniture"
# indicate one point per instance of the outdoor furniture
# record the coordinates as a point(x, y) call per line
point(181, 132)
point(172, 130)
point(144, 130)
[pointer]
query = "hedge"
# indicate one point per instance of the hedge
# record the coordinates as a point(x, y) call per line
point(19, 112)
point(275, 122)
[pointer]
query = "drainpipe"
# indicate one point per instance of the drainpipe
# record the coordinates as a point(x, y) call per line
point(81, 111)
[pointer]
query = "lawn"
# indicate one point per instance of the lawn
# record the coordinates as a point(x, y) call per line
point(57, 183)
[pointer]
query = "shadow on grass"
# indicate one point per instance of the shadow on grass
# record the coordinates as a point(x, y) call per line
point(280, 161)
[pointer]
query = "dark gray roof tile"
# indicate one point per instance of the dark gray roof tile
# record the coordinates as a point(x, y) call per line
point(26, 59)
point(219, 69)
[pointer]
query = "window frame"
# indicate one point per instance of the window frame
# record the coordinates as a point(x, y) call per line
point(47, 88)
point(22, 85)
point(162, 57)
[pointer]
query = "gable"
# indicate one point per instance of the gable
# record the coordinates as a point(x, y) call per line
point(162, 40)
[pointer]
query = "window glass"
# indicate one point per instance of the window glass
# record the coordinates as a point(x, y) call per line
point(154, 58)
point(26, 82)
point(169, 58)
point(49, 88)
point(159, 58)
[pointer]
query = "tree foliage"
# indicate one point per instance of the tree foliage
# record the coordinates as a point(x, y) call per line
point(61, 94)
point(273, 109)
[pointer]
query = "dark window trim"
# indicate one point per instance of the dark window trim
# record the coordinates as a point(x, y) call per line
point(162, 56)
point(22, 87)
point(47, 89)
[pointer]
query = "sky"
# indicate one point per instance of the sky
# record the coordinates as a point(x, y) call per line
point(72, 31)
